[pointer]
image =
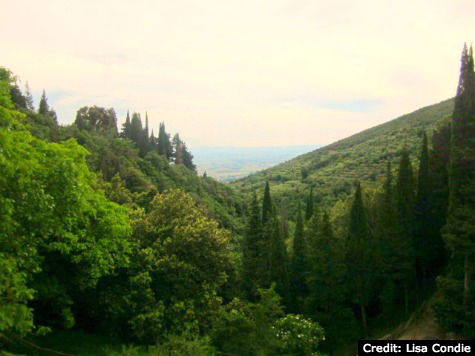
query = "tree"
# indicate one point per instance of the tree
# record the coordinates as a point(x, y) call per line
point(266, 204)
point(29, 98)
point(325, 279)
point(309, 206)
point(153, 142)
point(59, 235)
point(250, 252)
point(438, 167)
point(279, 262)
point(180, 264)
point(178, 149)
point(136, 129)
point(460, 229)
point(95, 118)
point(388, 235)
point(424, 232)
point(405, 200)
point(17, 96)
point(459, 232)
point(298, 265)
point(125, 133)
point(164, 145)
point(249, 328)
point(188, 159)
point(43, 107)
point(359, 256)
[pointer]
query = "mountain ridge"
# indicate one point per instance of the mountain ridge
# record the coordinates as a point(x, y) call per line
point(332, 169)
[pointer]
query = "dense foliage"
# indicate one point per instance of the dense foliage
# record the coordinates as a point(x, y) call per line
point(112, 233)
point(59, 235)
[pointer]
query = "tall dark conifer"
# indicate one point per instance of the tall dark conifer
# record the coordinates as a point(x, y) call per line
point(298, 265)
point(423, 234)
point(164, 144)
point(325, 277)
point(125, 133)
point(460, 229)
point(250, 252)
point(279, 263)
point(29, 98)
point(459, 232)
point(145, 141)
point(359, 256)
point(153, 142)
point(389, 255)
point(439, 191)
point(43, 107)
point(405, 199)
point(266, 204)
point(188, 158)
point(309, 206)
point(136, 128)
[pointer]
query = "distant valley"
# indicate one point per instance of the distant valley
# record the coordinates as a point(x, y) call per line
point(231, 163)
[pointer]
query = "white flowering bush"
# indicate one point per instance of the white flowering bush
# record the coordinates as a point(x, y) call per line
point(298, 336)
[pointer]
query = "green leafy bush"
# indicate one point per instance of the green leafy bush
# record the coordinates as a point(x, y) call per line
point(298, 335)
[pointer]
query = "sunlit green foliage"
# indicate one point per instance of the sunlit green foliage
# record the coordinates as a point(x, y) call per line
point(181, 262)
point(58, 232)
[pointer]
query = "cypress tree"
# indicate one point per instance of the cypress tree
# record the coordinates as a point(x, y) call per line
point(188, 158)
point(459, 232)
point(125, 133)
point(153, 142)
point(266, 204)
point(326, 301)
point(146, 126)
point(43, 107)
point(460, 229)
point(177, 149)
point(405, 198)
point(29, 98)
point(279, 263)
point(17, 96)
point(388, 239)
point(145, 139)
point(309, 206)
point(358, 256)
point(265, 248)
point(164, 144)
point(256, 253)
point(298, 266)
point(136, 128)
point(284, 224)
point(438, 168)
point(250, 252)
point(422, 223)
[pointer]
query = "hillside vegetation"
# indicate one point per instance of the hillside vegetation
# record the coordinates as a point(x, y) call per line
point(331, 170)
point(110, 235)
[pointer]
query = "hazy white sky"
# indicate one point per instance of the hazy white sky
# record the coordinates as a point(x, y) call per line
point(246, 72)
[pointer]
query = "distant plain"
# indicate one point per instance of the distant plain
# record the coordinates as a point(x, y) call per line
point(230, 163)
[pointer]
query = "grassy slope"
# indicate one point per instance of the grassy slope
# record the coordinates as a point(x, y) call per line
point(332, 169)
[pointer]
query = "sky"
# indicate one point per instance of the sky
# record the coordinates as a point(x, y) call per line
point(240, 73)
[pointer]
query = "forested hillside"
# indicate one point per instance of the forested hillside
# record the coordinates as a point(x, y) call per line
point(331, 170)
point(110, 244)
point(132, 157)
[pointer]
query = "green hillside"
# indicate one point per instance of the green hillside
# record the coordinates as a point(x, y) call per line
point(331, 170)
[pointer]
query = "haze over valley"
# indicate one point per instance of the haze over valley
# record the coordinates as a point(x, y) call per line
point(231, 163)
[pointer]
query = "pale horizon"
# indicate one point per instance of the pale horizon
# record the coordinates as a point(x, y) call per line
point(241, 73)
